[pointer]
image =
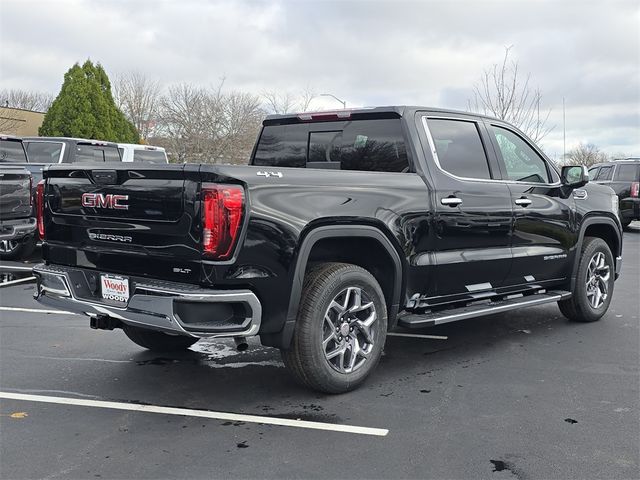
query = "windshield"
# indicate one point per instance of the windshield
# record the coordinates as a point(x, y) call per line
point(12, 151)
point(44, 152)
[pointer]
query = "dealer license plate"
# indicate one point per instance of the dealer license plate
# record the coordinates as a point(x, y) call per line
point(115, 288)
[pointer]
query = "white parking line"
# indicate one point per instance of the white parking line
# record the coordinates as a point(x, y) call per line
point(187, 412)
point(417, 335)
point(34, 310)
point(11, 267)
point(14, 282)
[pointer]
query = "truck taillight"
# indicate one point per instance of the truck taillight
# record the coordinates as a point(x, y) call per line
point(222, 210)
point(635, 189)
point(40, 208)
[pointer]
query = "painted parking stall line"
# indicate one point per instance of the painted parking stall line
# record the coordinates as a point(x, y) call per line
point(15, 282)
point(187, 412)
point(35, 310)
point(13, 267)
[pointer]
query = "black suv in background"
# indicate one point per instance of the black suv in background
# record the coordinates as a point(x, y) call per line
point(43, 151)
point(623, 176)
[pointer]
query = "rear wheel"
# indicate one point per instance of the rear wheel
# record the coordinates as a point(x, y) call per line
point(18, 248)
point(594, 283)
point(158, 341)
point(340, 330)
point(626, 222)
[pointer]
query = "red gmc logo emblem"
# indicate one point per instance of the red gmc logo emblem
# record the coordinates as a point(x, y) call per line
point(100, 200)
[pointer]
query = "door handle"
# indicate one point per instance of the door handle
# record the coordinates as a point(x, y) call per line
point(451, 201)
point(523, 202)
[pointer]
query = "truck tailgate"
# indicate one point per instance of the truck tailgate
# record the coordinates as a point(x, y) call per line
point(15, 192)
point(136, 219)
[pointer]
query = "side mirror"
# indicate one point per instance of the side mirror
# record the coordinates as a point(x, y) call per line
point(574, 176)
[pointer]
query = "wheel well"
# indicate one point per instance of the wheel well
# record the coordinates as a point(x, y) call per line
point(365, 252)
point(605, 232)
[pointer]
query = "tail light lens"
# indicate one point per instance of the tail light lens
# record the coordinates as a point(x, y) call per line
point(222, 210)
point(40, 208)
point(635, 189)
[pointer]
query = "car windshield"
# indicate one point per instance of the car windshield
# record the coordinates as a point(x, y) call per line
point(44, 152)
point(12, 151)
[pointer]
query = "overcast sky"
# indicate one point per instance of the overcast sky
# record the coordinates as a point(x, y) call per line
point(365, 52)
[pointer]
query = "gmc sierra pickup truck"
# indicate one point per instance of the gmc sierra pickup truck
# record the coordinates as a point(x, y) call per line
point(345, 225)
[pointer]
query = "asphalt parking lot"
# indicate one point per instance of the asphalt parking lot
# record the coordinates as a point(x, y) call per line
point(519, 395)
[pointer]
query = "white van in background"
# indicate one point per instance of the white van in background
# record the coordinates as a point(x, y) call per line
point(131, 152)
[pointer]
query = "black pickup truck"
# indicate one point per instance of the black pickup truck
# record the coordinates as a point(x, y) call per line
point(345, 225)
point(17, 223)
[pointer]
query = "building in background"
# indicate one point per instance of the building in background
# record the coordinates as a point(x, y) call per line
point(19, 122)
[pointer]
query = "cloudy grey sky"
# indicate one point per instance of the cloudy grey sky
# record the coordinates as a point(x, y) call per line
point(366, 52)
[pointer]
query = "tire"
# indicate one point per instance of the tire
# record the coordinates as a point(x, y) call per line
point(626, 222)
point(324, 326)
point(17, 249)
point(158, 341)
point(580, 307)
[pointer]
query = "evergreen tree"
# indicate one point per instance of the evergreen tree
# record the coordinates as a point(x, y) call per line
point(85, 108)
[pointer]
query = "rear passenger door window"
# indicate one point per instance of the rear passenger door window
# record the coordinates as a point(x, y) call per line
point(605, 173)
point(521, 162)
point(458, 147)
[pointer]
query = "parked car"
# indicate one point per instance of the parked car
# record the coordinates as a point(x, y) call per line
point(346, 224)
point(623, 176)
point(17, 223)
point(43, 151)
point(131, 152)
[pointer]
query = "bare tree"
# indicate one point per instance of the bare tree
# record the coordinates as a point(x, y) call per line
point(287, 102)
point(207, 125)
point(25, 99)
point(586, 154)
point(504, 93)
point(139, 99)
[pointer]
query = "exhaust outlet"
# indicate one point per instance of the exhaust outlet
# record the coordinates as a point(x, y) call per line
point(241, 343)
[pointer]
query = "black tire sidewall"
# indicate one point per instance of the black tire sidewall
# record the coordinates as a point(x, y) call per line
point(587, 312)
point(312, 327)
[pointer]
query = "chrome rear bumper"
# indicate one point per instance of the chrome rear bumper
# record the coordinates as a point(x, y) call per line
point(168, 307)
point(12, 229)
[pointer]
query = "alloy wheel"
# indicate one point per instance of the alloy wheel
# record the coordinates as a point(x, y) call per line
point(597, 282)
point(8, 246)
point(348, 331)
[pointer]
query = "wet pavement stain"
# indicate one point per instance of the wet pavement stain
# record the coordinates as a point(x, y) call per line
point(425, 391)
point(498, 465)
point(570, 420)
point(242, 445)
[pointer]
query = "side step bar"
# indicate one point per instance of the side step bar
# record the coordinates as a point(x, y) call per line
point(414, 320)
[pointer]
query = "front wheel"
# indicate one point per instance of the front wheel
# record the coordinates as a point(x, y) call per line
point(340, 330)
point(158, 341)
point(593, 290)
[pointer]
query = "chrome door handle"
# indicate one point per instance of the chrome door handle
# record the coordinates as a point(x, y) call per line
point(523, 202)
point(451, 201)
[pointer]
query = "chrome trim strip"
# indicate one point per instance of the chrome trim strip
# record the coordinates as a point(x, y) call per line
point(477, 287)
point(501, 308)
point(432, 147)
